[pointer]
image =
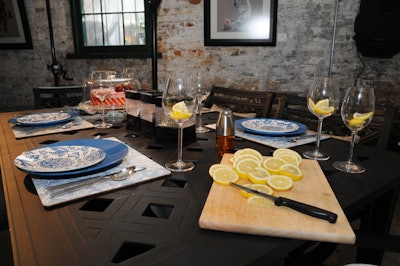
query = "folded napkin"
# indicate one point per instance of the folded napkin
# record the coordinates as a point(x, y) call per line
point(31, 131)
point(153, 170)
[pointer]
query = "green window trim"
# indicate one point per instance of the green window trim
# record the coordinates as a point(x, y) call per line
point(127, 51)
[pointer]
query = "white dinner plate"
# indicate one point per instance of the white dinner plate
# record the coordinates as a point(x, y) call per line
point(263, 125)
point(59, 158)
point(43, 118)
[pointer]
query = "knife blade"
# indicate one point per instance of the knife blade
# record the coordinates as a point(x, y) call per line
point(295, 205)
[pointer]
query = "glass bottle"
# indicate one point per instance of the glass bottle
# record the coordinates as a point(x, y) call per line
point(225, 132)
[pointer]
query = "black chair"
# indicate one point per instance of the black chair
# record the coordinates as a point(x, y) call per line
point(50, 97)
point(242, 101)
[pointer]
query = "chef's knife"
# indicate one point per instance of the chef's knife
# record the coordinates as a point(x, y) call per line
point(295, 205)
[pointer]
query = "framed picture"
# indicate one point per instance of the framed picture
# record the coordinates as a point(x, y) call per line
point(240, 22)
point(14, 27)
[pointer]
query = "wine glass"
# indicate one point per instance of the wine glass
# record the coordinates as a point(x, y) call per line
point(322, 101)
point(202, 86)
point(357, 112)
point(179, 102)
point(102, 88)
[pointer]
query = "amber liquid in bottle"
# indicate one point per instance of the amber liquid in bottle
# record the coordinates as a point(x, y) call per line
point(225, 144)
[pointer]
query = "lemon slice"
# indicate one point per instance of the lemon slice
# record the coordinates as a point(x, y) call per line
point(355, 122)
point(258, 175)
point(291, 171)
point(272, 164)
point(322, 107)
point(280, 182)
point(363, 116)
point(279, 151)
point(243, 167)
point(245, 193)
point(215, 167)
point(263, 188)
point(259, 201)
point(289, 158)
point(244, 157)
point(247, 151)
point(180, 111)
point(224, 176)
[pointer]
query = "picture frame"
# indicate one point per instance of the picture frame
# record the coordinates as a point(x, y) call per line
point(240, 22)
point(14, 26)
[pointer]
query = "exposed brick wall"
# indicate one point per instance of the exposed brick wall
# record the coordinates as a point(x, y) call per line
point(304, 40)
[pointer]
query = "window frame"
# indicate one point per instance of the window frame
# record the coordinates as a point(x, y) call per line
point(129, 51)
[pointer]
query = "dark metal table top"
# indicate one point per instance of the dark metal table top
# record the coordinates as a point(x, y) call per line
point(156, 223)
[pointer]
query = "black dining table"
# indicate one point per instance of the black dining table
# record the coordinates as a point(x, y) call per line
point(156, 222)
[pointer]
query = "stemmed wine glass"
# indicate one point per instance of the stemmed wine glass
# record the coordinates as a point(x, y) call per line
point(322, 101)
point(357, 112)
point(101, 89)
point(200, 81)
point(179, 102)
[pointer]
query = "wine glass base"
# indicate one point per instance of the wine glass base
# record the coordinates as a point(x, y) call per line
point(179, 166)
point(316, 155)
point(349, 167)
point(103, 125)
point(201, 129)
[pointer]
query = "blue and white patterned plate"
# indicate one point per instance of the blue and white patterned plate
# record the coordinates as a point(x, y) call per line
point(41, 118)
point(278, 131)
point(115, 153)
point(270, 125)
point(59, 158)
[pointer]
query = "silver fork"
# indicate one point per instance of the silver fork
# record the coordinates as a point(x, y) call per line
point(298, 138)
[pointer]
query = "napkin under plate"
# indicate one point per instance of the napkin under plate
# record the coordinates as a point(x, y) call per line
point(153, 171)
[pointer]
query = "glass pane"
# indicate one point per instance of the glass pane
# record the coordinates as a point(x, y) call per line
point(113, 31)
point(110, 6)
point(91, 6)
point(92, 31)
point(133, 5)
point(134, 29)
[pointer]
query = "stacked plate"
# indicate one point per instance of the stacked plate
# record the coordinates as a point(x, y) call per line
point(270, 127)
point(43, 119)
point(68, 159)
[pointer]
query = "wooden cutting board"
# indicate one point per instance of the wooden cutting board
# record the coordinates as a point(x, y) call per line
point(226, 210)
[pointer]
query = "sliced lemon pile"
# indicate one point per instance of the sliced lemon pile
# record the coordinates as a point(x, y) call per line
point(322, 107)
point(258, 175)
point(359, 119)
point(291, 171)
point(224, 176)
point(272, 164)
point(180, 111)
point(280, 182)
point(244, 167)
point(245, 193)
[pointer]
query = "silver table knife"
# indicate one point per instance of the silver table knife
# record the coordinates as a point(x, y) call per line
point(295, 205)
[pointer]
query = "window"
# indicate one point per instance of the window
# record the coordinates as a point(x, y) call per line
point(111, 28)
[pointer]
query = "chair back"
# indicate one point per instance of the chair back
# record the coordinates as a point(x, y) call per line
point(242, 101)
point(50, 97)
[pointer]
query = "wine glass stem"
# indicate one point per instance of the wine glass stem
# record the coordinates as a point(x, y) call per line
point(180, 140)
point(319, 131)
point(200, 117)
point(353, 140)
point(102, 111)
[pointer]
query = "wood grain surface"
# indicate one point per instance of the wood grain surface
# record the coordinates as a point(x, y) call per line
point(226, 210)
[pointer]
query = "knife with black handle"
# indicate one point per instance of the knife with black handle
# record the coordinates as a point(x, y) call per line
point(295, 205)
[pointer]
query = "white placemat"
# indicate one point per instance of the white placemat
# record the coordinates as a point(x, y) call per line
point(25, 132)
point(153, 170)
point(276, 142)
